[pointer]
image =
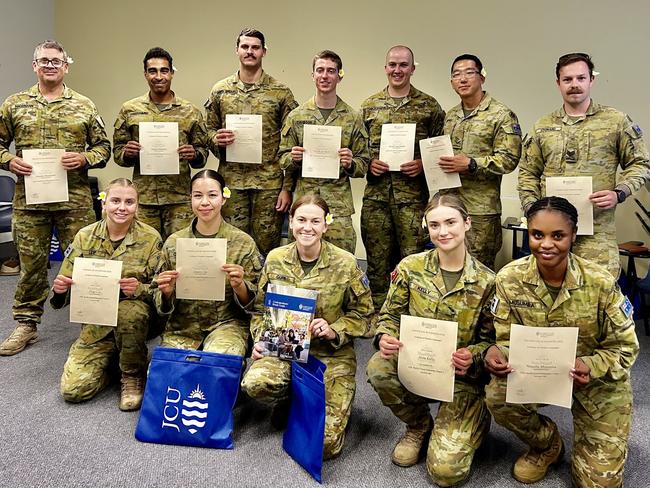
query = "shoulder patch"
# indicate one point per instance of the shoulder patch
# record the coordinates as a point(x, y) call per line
point(364, 280)
point(393, 276)
point(494, 304)
point(637, 129)
point(517, 129)
point(68, 251)
point(626, 307)
point(261, 260)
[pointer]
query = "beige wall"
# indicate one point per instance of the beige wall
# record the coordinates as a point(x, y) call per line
point(519, 43)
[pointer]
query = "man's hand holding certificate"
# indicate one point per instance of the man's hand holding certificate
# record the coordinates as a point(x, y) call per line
point(577, 190)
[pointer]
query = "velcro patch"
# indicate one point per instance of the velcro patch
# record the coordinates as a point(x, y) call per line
point(626, 307)
point(494, 304)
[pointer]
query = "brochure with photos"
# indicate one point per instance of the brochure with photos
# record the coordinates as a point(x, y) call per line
point(287, 315)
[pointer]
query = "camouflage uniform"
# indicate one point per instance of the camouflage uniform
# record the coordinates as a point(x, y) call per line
point(393, 202)
point(164, 202)
point(70, 122)
point(344, 302)
point(220, 326)
point(594, 145)
point(607, 343)
point(85, 371)
point(460, 427)
point(337, 193)
point(492, 137)
point(255, 187)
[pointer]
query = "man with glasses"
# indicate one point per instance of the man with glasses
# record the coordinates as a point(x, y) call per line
point(164, 198)
point(260, 193)
point(584, 138)
point(486, 138)
point(49, 115)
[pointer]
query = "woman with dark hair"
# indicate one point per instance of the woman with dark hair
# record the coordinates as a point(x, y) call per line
point(214, 326)
point(555, 288)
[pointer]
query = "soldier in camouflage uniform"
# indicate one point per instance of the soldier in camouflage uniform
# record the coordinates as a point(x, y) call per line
point(261, 194)
point(326, 108)
point(486, 138)
point(49, 115)
point(584, 138)
point(214, 326)
point(424, 285)
point(394, 201)
point(343, 309)
point(118, 237)
point(556, 288)
point(164, 203)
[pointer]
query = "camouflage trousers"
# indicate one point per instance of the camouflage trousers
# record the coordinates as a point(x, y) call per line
point(32, 234)
point(485, 238)
point(390, 232)
point(226, 338)
point(459, 427)
point(166, 219)
point(268, 380)
point(340, 233)
point(599, 436)
point(85, 372)
point(253, 211)
point(601, 248)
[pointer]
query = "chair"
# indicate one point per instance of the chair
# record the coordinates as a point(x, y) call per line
point(7, 189)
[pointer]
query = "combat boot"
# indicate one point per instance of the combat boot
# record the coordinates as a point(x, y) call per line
point(132, 392)
point(532, 466)
point(280, 415)
point(24, 334)
point(412, 445)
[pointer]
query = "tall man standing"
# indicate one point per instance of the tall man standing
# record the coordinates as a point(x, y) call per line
point(49, 115)
point(583, 138)
point(326, 108)
point(486, 138)
point(261, 194)
point(164, 200)
point(394, 201)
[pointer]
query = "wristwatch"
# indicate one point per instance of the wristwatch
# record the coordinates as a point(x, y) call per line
point(620, 195)
point(473, 167)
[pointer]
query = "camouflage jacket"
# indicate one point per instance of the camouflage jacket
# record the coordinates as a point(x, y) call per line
point(337, 193)
point(70, 122)
point(268, 98)
point(417, 288)
point(344, 299)
point(589, 299)
point(492, 137)
point(161, 189)
point(416, 108)
point(139, 253)
point(594, 145)
point(197, 317)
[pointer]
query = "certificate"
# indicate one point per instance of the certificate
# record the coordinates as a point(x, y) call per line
point(397, 144)
point(321, 157)
point(48, 182)
point(159, 148)
point(424, 365)
point(198, 262)
point(576, 189)
point(247, 147)
point(542, 358)
point(95, 291)
point(431, 149)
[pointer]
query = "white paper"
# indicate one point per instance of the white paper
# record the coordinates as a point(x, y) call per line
point(95, 291)
point(431, 149)
point(397, 144)
point(542, 358)
point(424, 364)
point(199, 263)
point(576, 189)
point(321, 156)
point(247, 147)
point(159, 148)
point(48, 182)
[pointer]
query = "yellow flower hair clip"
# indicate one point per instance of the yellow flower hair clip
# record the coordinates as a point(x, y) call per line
point(424, 222)
point(226, 192)
point(329, 219)
point(102, 196)
point(341, 73)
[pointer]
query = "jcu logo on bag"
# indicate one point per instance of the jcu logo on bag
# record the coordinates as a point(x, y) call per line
point(192, 410)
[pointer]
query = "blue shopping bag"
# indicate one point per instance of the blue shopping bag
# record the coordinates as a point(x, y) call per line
point(189, 397)
point(305, 435)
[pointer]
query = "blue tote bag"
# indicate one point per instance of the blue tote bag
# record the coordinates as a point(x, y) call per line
point(189, 397)
point(305, 435)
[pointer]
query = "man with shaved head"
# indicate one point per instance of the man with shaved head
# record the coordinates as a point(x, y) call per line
point(394, 200)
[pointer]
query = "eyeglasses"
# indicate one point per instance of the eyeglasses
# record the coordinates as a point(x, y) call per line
point(467, 73)
point(44, 62)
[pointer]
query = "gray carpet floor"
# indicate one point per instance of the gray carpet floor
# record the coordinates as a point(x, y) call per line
point(46, 442)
